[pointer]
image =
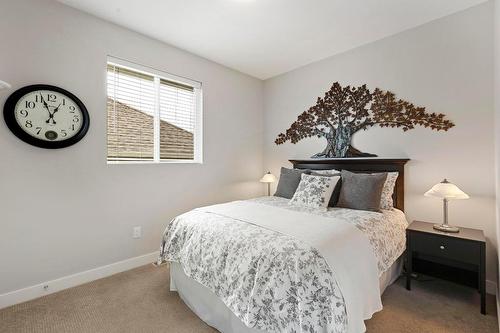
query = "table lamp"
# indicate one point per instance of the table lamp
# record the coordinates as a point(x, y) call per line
point(268, 178)
point(446, 191)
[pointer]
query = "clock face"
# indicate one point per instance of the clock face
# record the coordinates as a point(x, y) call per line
point(46, 116)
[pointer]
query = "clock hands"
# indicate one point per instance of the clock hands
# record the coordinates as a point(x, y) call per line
point(56, 109)
point(44, 103)
point(51, 115)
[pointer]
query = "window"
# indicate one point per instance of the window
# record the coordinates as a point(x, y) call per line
point(152, 116)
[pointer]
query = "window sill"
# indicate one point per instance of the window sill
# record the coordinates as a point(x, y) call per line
point(153, 162)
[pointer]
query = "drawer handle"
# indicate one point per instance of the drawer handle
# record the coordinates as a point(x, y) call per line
point(442, 247)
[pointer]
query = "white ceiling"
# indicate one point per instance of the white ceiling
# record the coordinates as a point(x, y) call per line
point(265, 38)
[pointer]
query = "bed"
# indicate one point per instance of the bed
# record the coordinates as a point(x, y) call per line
point(261, 265)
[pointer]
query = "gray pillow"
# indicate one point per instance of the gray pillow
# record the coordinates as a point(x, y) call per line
point(361, 190)
point(289, 180)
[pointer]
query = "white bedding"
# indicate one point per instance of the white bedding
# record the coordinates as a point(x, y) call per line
point(274, 267)
point(215, 313)
point(386, 231)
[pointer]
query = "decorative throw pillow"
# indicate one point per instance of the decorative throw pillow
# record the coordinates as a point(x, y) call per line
point(289, 180)
point(336, 191)
point(314, 191)
point(386, 201)
point(361, 190)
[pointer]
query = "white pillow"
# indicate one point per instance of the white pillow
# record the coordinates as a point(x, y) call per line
point(314, 191)
point(386, 201)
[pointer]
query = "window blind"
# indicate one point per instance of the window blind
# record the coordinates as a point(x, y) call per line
point(177, 120)
point(150, 118)
point(131, 103)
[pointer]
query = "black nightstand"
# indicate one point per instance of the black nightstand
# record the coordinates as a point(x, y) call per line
point(459, 257)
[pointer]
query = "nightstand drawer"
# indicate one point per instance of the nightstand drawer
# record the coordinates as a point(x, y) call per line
point(446, 247)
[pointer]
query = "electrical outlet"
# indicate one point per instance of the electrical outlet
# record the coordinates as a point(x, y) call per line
point(137, 232)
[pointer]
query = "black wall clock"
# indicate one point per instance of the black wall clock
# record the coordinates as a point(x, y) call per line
point(46, 116)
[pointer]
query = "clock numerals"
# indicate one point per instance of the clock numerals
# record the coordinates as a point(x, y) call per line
point(38, 130)
point(30, 104)
point(71, 109)
point(76, 118)
point(28, 124)
point(51, 97)
point(24, 113)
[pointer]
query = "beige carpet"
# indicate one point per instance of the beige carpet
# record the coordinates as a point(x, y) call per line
point(139, 301)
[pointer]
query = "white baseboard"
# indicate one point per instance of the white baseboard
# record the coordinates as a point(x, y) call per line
point(49, 287)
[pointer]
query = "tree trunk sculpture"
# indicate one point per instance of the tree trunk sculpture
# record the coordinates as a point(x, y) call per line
point(343, 111)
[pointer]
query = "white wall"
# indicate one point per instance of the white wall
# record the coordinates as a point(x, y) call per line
point(447, 67)
point(66, 211)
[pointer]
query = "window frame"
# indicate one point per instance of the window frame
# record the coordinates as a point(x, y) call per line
point(198, 127)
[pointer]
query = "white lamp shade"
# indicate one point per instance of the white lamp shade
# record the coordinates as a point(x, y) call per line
point(268, 178)
point(446, 190)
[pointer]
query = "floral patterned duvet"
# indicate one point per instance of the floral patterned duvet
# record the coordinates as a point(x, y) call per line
point(272, 281)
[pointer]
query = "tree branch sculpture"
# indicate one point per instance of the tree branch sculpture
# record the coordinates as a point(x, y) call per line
point(343, 111)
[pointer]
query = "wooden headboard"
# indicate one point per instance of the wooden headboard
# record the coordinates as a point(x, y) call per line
point(363, 165)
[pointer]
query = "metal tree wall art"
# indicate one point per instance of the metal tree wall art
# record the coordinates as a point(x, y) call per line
point(344, 111)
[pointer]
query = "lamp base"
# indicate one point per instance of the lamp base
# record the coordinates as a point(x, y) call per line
point(446, 228)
